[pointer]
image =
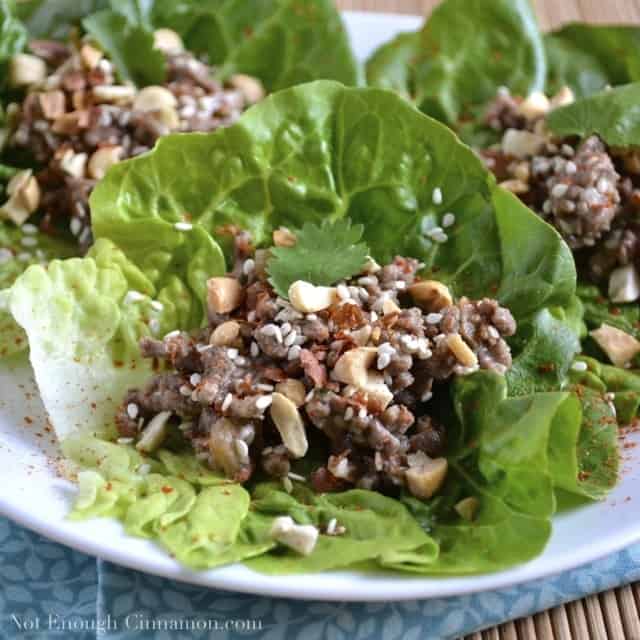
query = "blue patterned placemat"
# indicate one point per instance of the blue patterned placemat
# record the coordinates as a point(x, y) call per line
point(50, 591)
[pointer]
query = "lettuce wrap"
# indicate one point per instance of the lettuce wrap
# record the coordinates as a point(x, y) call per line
point(313, 153)
point(280, 43)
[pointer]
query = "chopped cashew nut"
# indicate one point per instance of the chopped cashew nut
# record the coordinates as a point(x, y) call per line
point(223, 294)
point(154, 98)
point(468, 508)
point(167, 41)
point(290, 425)
point(389, 307)
point(74, 164)
point(515, 186)
point(24, 197)
point(301, 538)
point(371, 266)
point(426, 476)
point(250, 87)
point(462, 351)
point(361, 336)
point(534, 106)
point(154, 433)
point(521, 143)
point(618, 345)
point(90, 56)
point(114, 93)
point(25, 69)
point(225, 334)
point(431, 295)
point(624, 284)
point(292, 389)
point(564, 97)
point(377, 391)
point(308, 298)
point(353, 366)
point(102, 160)
point(284, 238)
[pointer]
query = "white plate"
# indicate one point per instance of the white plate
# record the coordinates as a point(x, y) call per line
point(32, 494)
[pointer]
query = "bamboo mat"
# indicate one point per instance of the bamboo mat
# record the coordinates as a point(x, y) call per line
point(612, 615)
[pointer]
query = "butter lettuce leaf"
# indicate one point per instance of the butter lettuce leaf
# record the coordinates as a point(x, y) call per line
point(466, 50)
point(324, 152)
point(83, 333)
point(589, 57)
point(612, 114)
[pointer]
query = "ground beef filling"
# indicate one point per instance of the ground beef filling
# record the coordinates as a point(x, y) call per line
point(267, 376)
point(79, 120)
point(588, 191)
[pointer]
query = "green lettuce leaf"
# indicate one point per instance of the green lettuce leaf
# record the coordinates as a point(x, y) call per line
point(588, 57)
point(375, 526)
point(13, 35)
point(612, 114)
point(12, 264)
point(129, 45)
point(83, 335)
point(599, 310)
point(325, 152)
point(282, 42)
point(502, 47)
point(45, 19)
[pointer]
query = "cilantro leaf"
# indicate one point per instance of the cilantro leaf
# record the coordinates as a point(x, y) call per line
point(322, 255)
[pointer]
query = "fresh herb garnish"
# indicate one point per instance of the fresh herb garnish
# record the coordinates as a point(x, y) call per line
point(322, 255)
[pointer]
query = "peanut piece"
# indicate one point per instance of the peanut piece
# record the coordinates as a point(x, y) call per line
point(223, 294)
point(431, 295)
point(225, 334)
point(289, 423)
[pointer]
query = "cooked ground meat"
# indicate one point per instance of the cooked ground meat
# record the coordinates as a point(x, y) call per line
point(589, 192)
point(79, 121)
point(360, 370)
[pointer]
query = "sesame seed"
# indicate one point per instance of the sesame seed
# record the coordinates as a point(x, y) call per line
point(248, 433)
point(296, 476)
point(448, 220)
point(570, 168)
point(290, 339)
point(195, 379)
point(343, 292)
point(362, 413)
point(242, 449)
point(29, 228)
point(132, 410)
point(373, 316)
point(154, 326)
point(241, 361)
point(232, 353)
point(133, 296)
point(433, 318)
point(251, 316)
point(559, 190)
point(185, 426)
point(331, 526)
point(226, 403)
point(24, 256)
point(183, 226)
point(440, 238)
point(579, 366)
point(312, 317)
point(248, 267)
point(29, 241)
point(384, 359)
point(5, 256)
point(156, 305)
point(263, 402)
point(294, 352)
point(400, 284)
point(437, 196)
point(348, 414)
point(172, 334)
point(285, 328)
point(287, 484)
point(75, 225)
point(124, 440)
point(254, 350)
point(185, 391)
point(426, 396)
point(309, 396)
point(264, 387)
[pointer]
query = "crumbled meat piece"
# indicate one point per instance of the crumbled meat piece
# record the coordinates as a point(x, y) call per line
point(372, 415)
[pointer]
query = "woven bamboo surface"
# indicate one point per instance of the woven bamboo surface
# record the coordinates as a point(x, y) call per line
point(612, 615)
